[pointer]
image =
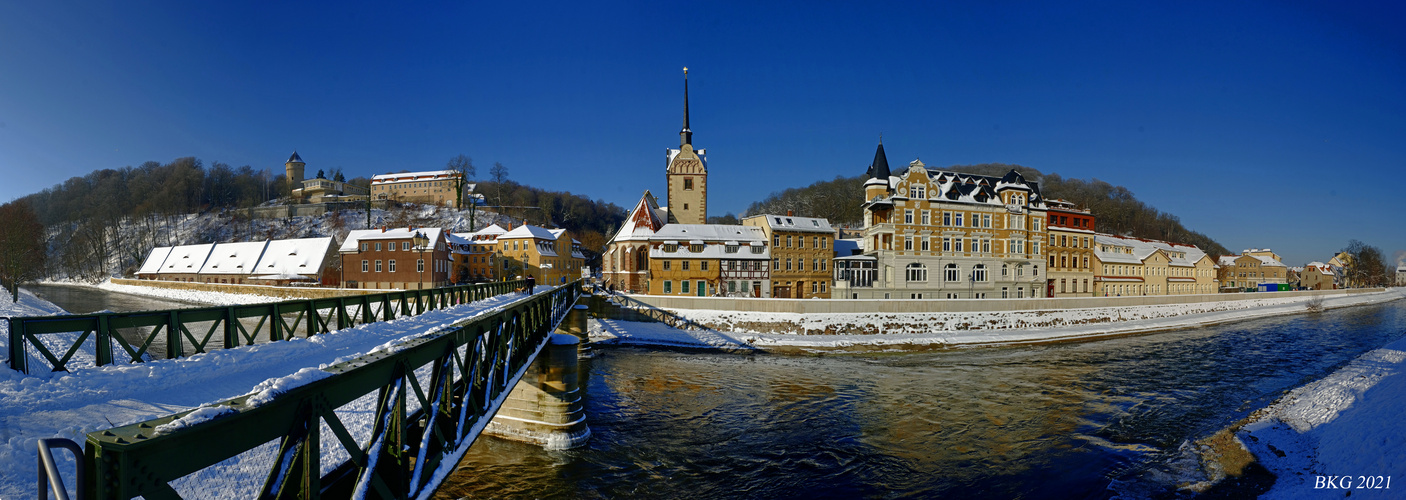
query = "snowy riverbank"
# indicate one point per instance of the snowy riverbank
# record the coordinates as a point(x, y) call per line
point(1340, 434)
point(955, 329)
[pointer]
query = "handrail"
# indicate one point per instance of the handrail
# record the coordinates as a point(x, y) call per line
point(176, 327)
point(472, 364)
point(48, 471)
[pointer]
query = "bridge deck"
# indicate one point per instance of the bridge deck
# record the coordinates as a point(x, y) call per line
point(71, 405)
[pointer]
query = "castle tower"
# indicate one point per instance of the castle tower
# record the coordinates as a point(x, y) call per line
point(294, 169)
point(878, 184)
point(687, 175)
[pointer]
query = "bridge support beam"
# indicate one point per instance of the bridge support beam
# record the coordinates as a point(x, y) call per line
point(547, 407)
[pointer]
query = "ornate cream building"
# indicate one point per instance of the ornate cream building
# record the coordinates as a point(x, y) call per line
point(945, 235)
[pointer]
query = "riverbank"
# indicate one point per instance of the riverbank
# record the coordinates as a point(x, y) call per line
point(731, 330)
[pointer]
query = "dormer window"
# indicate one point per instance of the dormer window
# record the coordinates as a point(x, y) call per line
point(695, 247)
point(671, 247)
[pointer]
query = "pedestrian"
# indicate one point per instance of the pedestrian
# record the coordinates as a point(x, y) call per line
point(531, 284)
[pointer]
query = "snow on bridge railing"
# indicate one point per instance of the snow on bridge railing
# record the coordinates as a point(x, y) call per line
point(56, 342)
point(397, 418)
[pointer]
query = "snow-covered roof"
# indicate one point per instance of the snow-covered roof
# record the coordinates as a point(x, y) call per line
point(234, 258)
point(642, 220)
point(1268, 261)
point(153, 261)
point(412, 176)
point(790, 223)
point(355, 237)
point(1118, 256)
point(187, 258)
point(529, 231)
point(947, 186)
point(1177, 254)
point(299, 256)
point(715, 238)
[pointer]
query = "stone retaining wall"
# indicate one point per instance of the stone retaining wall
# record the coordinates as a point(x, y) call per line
point(282, 292)
point(823, 306)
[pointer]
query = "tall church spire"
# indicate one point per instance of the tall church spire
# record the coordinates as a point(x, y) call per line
point(685, 135)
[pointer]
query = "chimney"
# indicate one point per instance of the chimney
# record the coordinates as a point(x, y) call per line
point(790, 213)
point(383, 228)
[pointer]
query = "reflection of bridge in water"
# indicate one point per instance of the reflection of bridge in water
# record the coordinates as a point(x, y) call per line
point(380, 425)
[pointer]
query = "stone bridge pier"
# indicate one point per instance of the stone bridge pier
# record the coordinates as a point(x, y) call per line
point(547, 407)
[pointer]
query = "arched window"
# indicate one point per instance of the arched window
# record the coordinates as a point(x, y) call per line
point(979, 273)
point(1005, 270)
point(917, 272)
point(952, 274)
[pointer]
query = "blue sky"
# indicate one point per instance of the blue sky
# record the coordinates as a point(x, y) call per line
point(1262, 124)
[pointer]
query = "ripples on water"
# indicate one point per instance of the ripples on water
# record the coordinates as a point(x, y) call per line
point(1052, 421)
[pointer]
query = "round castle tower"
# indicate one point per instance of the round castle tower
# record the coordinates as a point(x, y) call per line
point(294, 169)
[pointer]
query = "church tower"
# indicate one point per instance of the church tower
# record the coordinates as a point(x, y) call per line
point(294, 169)
point(687, 175)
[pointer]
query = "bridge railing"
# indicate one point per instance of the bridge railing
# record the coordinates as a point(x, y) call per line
point(56, 342)
point(431, 397)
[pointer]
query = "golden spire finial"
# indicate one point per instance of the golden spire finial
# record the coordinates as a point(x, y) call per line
point(685, 70)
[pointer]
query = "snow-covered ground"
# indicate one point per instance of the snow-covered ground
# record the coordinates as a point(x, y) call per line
point(195, 296)
point(953, 329)
point(1319, 431)
point(72, 404)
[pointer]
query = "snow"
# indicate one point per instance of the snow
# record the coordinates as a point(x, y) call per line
point(234, 258)
point(152, 265)
point(355, 237)
point(727, 329)
point(192, 296)
point(88, 399)
point(187, 258)
point(294, 257)
point(1322, 428)
point(529, 231)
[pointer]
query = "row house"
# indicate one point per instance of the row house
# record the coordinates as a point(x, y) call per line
point(1127, 266)
point(1071, 251)
point(408, 258)
point(477, 255)
point(937, 234)
point(271, 262)
point(1252, 269)
point(801, 253)
point(1317, 276)
point(709, 260)
point(550, 256)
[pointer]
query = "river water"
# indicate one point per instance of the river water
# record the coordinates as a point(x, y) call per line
point(85, 299)
point(1098, 419)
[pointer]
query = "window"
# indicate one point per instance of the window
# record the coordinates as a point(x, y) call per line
point(1005, 294)
point(908, 243)
point(671, 247)
point(946, 218)
point(378, 265)
point(703, 265)
point(666, 265)
point(947, 244)
point(951, 274)
point(688, 184)
point(419, 265)
point(979, 273)
point(957, 244)
point(1019, 293)
point(365, 265)
point(788, 241)
point(683, 287)
point(925, 244)
point(957, 219)
point(732, 248)
point(907, 216)
point(695, 247)
point(788, 264)
point(378, 247)
point(776, 263)
point(731, 286)
point(757, 249)
point(815, 242)
point(1005, 271)
point(391, 267)
point(685, 265)
point(927, 217)
point(985, 246)
point(920, 191)
point(668, 286)
point(916, 272)
point(363, 247)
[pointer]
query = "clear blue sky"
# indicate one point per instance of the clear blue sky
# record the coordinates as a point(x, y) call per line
point(1263, 124)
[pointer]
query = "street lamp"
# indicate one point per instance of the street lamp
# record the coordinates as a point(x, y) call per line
point(420, 242)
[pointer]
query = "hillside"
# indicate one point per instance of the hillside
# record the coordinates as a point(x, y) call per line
point(1117, 210)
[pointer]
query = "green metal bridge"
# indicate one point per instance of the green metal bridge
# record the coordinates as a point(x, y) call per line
point(427, 398)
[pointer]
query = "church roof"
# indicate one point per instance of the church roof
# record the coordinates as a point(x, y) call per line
point(295, 158)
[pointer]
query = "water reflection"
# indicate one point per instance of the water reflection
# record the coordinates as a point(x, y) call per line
point(1052, 421)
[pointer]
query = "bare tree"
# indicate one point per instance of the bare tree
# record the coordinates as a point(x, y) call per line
point(21, 246)
point(464, 166)
point(499, 175)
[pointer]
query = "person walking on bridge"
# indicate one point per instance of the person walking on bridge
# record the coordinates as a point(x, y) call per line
point(531, 284)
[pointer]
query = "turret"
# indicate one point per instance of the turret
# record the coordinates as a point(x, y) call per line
point(294, 169)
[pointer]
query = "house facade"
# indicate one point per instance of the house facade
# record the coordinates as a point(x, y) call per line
point(477, 255)
point(936, 234)
point(390, 258)
point(709, 260)
point(437, 187)
point(1252, 268)
point(1317, 276)
point(802, 249)
point(1071, 256)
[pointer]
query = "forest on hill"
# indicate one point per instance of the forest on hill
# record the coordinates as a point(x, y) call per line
point(90, 218)
point(1115, 208)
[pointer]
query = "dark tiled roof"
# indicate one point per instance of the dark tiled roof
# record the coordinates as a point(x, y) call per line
point(295, 158)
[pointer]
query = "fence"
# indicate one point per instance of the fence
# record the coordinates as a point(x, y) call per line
point(132, 337)
point(432, 397)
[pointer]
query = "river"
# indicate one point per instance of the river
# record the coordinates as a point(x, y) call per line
point(86, 299)
point(1097, 419)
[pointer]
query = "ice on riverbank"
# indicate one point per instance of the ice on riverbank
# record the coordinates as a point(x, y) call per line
point(192, 296)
